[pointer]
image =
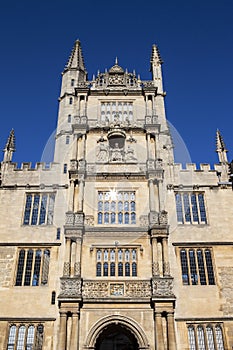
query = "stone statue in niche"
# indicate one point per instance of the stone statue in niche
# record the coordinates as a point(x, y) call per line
point(102, 153)
point(116, 153)
point(129, 153)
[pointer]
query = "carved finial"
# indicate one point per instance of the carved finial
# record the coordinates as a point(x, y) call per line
point(10, 147)
point(221, 148)
point(116, 61)
point(76, 60)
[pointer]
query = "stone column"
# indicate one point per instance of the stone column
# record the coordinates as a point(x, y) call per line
point(71, 196)
point(74, 148)
point(62, 331)
point(66, 270)
point(159, 341)
point(155, 264)
point(171, 331)
point(151, 195)
point(77, 264)
point(166, 269)
point(74, 332)
point(161, 195)
point(80, 196)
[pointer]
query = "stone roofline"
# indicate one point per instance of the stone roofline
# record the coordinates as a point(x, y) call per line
point(27, 166)
point(189, 167)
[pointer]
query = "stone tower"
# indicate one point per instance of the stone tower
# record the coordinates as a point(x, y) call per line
point(114, 246)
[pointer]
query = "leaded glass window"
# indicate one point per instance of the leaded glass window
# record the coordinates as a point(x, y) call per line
point(190, 208)
point(25, 337)
point(39, 209)
point(205, 337)
point(116, 207)
point(32, 267)
point(197, 266)
point(116, 261)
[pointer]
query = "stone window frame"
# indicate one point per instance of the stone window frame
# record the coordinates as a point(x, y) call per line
point(206, 335)
point(112, 213)
point(32, 268)
point(191, 208)
point(124, 258)
point(25, 335)
point(39, 208)
point(197, 266)
point(111, 108)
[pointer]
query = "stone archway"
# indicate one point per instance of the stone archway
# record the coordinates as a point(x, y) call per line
point(116, 337)
point(116, 332)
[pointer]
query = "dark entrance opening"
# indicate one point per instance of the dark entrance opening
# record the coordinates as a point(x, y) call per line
point(116, 337)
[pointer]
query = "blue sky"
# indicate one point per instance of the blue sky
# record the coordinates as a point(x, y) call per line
point(195, 39)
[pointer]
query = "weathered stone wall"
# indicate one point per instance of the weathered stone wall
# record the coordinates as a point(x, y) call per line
point(7, 261)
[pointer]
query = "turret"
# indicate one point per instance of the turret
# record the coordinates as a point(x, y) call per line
point(155, 68)
point(221, 148)
point(10, 147)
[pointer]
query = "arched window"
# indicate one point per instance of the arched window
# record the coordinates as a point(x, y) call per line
point(98, 269)
point(99, 255)
point(120, 269)
point(69, 118)
point(100, 218)
point(30, 337)
point(127, 269)
point(191, 335)
point(11, 338)
point(210, 337)
point(21, 336)
point(36, 273)
point(200, 338)
point(70, 100)
point(72, 82)
point(28, 272)
point(112, 269)
point(219, 337)
point(134, 269)
point(105, 269)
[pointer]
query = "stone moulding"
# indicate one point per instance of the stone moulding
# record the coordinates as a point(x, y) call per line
point(126, 289)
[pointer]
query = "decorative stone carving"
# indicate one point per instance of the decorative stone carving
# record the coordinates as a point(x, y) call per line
point(73, 165)
point(77, 269)
point(89, 220)
point(162, 287)
point(163, 218)
point(102, 152)
point(140, 289)
point(69, 218)
point(116, 153)
point(155, 269)
point(116, 289)
point(70, 287)
point(78, 218)
point(74, 219)
point(81, 164)
point(151, 165)
point(129, 154)
point(116, 79)
point(95, 289)
point(100, 289)
point(66, 269)
point(154, 218)
point(166, 268)
point(143, 219)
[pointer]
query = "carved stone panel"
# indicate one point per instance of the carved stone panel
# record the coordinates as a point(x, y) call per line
point(162, 287)
point(70, 287)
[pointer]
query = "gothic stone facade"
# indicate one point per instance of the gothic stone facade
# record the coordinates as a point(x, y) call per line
point(114, 246)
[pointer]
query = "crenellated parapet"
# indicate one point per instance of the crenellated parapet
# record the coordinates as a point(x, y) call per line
point(25, 174)
point(193, 175)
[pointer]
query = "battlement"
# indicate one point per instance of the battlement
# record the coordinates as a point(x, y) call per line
point(203, 174)
point(27, 166)
point(202, 167)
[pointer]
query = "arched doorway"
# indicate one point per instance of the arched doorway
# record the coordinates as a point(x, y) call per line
point(116, 337)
